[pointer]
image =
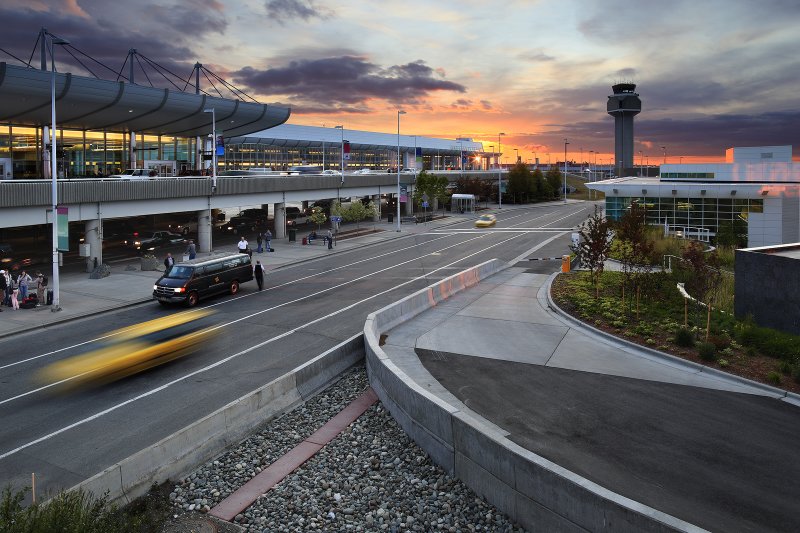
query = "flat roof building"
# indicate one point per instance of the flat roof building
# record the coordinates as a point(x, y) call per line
point(756, 192)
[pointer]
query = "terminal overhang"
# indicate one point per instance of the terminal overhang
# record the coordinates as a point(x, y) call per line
point(84, 103)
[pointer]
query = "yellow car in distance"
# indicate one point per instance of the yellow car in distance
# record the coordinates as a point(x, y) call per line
point(485, 221)
point(133, 349)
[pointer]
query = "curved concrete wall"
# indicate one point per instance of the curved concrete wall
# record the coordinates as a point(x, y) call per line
point(538, 494)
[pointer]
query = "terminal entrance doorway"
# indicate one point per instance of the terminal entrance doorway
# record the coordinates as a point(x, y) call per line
point(5, 169)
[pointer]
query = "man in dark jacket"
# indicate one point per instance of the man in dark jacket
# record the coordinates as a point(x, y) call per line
point(168, 263)
point(258, 272)
point(3, 287)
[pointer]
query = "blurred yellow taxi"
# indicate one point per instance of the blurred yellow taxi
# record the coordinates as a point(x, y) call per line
point(132, 349)
point(485, 221)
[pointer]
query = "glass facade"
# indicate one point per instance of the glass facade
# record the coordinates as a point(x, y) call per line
point(701, 213)
point(695, 176)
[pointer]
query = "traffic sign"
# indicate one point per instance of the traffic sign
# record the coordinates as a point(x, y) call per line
point(336, 219)
point(424, 204)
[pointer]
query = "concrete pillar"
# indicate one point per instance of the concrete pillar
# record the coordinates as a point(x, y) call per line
point(92, 238)
point(204, 225)
point(435, 204)
point(410, 202)
point(376, 199)
point(280, 221)
point(304, 205)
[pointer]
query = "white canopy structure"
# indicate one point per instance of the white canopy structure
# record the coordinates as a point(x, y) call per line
point(463, 203)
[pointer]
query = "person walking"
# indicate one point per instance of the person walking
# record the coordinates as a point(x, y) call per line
point(191, 250)
point(258, 272)
point(169, 262)
point(268, 239)
point(242, 245)
point(22, 282)
point(330, 240)
point(14, 299)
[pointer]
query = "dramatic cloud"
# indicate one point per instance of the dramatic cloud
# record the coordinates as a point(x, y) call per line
point(346, 81)
point(282, 11)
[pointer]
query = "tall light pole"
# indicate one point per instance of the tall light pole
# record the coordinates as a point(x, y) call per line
point(566, 142)
point(516, 151)
point(54, 167)
point(340, 127)
point(499, 173)
point(399, 112)
point(213, 146)
point(491, 147)
point(664, 148)
point(641, 163)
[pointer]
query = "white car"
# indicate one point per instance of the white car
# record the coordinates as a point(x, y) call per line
point(408, 171)
point(364, 171)
point(331, 173)
point(135, 174)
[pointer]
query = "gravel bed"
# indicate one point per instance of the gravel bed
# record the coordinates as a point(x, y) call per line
point(372, 477)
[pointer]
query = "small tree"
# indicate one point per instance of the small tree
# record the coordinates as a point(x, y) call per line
point(594, 245)
point(553, 178)
point(519, 179)
point(705, 276)
point(318, 216)
point(355, 213)
point(635, 249)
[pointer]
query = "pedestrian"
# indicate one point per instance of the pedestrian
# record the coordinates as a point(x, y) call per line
point(14, 299)
point(259, 240)
point(330, 240)
point(191, 250)
point(258, 271)
point(41, 284)
point(3, 287)
point(242, 245)
point(268, 239)
point(22, 283)
point(169, 262)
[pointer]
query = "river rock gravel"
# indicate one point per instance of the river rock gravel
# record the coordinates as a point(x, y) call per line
point(372, 477)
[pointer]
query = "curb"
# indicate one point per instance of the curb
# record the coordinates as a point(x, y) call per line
point(779, 394)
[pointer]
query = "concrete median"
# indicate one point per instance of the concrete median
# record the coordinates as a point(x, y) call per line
point(179, 453)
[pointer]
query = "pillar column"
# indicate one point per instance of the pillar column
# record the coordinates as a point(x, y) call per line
point(304, 205)
point(376, 199)
point(410, 202)
point(280, 221)
point(95, 242)
point(204, 225)
point(435, 204)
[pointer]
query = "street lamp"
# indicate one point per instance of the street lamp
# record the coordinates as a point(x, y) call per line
point(491, 147)
point(641, 163)
point(516, 151)
point(665, 154)
point(566, 142)
point(499, 173)
point(55, 306)
point(399, 112)
point(340, 127)
point(213, 146)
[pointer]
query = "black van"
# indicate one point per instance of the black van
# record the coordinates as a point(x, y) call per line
point(188, 281)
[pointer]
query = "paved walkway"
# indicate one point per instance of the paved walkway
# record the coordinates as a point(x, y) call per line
point(701, 446)
point(129, 285)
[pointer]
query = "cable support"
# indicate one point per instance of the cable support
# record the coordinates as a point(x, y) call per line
point(38, 37)
point(212, 83)
point(80, 62)
point(139, 61)
point(15, 57)
point(158, 68)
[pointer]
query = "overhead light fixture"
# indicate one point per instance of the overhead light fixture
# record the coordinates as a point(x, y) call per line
point(764, 192)
point(702, 192)
point(733, 192)
point(615, 191)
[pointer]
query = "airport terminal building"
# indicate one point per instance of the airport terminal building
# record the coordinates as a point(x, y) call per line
point(758, 187)
point(103, 127)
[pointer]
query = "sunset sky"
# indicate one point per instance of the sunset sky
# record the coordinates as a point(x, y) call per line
point(711, 74)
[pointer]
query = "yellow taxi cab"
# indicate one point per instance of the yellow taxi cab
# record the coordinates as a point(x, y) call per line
point(133, 349)
point(485, 221)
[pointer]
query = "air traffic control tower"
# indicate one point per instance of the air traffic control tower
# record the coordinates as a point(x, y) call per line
point(623, 105)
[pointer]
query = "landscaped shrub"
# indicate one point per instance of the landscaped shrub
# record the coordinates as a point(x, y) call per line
point(774, 377)
point(796, 373)
point(785, 367)
point(707, 351)
point(723, 363)
point(720, 341)
point(684, 337)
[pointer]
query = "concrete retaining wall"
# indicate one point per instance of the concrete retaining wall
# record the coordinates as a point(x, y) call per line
point(538, 494)
point(766, 287)
point(178, 454)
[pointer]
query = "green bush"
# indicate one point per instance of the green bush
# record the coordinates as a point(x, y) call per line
point(723, 363)
point(785, 367)
point(707, 351)
point(719, 340)
point(684, 337)
point(796, 373)
point(68, 512)
point(774, 377)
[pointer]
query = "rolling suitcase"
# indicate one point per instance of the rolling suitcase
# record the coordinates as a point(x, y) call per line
point(49, 297)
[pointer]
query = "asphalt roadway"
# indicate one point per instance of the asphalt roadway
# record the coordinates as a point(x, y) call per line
point(306, 308)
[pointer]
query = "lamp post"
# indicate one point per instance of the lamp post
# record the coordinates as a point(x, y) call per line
point(566, 142)
point(213, 146)
point(664, 148)
point(641, 163)
point(491, 147)
point(680, 160)
point(516, 151)
point(399, 112)
point(499, 173)
point(340, 127)
point(591, 175)
point(54, 167)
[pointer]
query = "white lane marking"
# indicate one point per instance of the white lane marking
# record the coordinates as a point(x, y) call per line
point(233, 356)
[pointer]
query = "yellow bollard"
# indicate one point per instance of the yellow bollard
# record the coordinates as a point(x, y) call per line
point(565, 263)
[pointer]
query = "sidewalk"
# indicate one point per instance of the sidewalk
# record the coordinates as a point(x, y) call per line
point(129, 285)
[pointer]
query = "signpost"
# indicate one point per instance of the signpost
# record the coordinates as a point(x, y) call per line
point(425, 208)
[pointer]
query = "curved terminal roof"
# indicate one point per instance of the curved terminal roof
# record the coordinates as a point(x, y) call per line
point(92, 104)
point(291, 135)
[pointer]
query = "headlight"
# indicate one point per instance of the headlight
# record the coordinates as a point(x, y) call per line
point(179, 289)
point(137, 243)
point(155, 288)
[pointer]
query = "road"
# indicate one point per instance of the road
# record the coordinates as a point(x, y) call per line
point(304, 310)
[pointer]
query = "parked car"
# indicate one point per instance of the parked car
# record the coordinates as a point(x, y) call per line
point(408, 171)
point(151, 240)
point(331, 173)
point(296, 219)
point(364, 171)
point(135, 174)
point(189, 281)
point(238, 225)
